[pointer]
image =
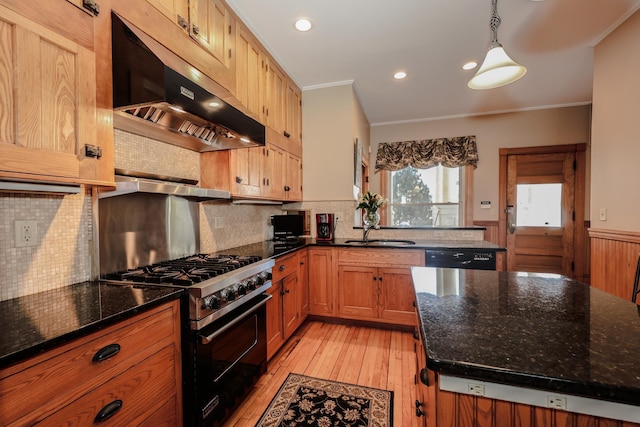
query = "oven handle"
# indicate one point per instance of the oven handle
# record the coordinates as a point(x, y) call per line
point(209, 338)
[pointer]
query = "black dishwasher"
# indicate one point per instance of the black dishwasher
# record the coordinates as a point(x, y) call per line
point(479, 259)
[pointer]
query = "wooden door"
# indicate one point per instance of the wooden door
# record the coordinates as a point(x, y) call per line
point(276, 97)
point(246, 179)
point(320, 281)
point(209, 26)
point(290, 304)
point(303, 284)
point(249, 71)
point(293, 178)
point(397, 295)
point(294, 113)
point(273, 173)
point(538, 217)
point(47, 101)
point(358, 291)
point(176, 10)
point(275, 336)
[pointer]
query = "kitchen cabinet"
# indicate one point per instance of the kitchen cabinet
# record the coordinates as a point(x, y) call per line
point(48, 96)
point(321, 279)
point(132, 368)
point(250, 80)
point(276, 97)
point(425, 383)
point(293, 125)
point(376, 285)
point(293, 178)
point(208, 22)
point(273, 173)
point(285, 311)
point(304, 280)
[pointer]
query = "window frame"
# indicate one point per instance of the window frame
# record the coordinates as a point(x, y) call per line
point(466, 201)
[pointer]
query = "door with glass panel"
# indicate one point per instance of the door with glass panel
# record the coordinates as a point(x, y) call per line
point(540, 212)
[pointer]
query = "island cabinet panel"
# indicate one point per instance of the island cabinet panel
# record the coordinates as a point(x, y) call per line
point(48, 95)
point(136, 362)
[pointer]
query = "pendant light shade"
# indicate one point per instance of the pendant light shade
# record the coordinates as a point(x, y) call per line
point(497, 69)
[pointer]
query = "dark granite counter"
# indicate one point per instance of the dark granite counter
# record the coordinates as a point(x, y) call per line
point(35, 323)
point(537, 331)
point(269, 249)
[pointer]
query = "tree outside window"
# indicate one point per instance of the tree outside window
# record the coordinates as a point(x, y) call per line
point(425, 197)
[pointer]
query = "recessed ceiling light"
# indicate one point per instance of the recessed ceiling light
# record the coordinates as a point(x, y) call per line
point(470, 65)
point(400, 75)
point(303, 24)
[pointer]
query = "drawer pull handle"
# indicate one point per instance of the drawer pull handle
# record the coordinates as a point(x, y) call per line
point(108, 411)
point(106, 352)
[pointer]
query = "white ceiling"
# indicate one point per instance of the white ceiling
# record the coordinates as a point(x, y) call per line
point(366, 41)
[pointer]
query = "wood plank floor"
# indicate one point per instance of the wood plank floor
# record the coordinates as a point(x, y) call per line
point(359, 355)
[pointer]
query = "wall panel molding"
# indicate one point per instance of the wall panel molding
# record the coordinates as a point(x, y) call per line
point(614, 256)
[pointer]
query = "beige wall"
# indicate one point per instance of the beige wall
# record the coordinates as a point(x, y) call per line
point(331, 120)
point(568, 125)
point(616, 129)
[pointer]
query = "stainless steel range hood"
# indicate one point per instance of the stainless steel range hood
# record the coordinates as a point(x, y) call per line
point(152, 96)
point(128, 182)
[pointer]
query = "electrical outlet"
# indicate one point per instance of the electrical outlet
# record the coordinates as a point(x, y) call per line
point(26, 233)
point(476, 389)
point(557, 402)
point(218, 223)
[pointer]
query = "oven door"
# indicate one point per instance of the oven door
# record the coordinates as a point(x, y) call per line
point(229, 357)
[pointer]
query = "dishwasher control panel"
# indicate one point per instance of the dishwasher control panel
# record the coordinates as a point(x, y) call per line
point(479, 259)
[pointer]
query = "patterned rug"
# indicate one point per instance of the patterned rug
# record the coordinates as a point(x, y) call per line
point(307, 401)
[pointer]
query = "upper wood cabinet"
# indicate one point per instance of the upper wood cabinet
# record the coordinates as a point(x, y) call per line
point(250, 77)
point(208, 22)
point(293, 178)
point(48, 95)
point(276, 101)
point(293, 125)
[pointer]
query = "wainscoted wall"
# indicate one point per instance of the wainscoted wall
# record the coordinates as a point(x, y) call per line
point(614, 256)
point(63, 249)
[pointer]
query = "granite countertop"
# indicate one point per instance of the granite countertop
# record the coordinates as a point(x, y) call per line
point(271, 249)
point(37, 322)
point(538, 331)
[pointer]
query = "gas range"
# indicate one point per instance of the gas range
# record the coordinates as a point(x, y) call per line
point(216, 283)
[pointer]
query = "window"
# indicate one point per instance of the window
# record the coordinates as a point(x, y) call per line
point(425, 197)
point(539, 205)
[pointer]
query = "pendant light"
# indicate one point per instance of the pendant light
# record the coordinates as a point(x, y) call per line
point(497, 69)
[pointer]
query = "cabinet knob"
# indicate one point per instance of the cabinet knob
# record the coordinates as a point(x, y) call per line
point(195, 29)
point(183, 22)
point(282, 267)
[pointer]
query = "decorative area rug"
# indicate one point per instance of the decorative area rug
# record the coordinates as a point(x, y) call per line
point(307, 401)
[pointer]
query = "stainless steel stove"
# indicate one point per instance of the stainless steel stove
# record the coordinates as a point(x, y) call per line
point(216, 283)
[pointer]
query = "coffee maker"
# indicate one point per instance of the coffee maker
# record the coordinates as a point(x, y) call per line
point(325, 223)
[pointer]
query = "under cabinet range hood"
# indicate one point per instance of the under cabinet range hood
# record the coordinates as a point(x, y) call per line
point(128, 182)
point(153, 97)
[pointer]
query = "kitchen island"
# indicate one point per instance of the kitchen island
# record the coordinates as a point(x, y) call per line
point(507, 346)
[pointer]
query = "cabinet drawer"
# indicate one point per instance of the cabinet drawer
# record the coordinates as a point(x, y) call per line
point(56, 378)
point(285, 266)
point(140, 390)
point(381, 257)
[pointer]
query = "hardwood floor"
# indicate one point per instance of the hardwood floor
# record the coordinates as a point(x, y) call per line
point(359, 355)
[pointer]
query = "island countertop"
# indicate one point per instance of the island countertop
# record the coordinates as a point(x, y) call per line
point(538, 331)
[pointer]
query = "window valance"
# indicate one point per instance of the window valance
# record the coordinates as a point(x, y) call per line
point(449, 152)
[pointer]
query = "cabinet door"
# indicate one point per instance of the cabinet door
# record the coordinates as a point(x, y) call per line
point(290, 304)
point(294, 113)
point(357, 291)
point(246, 171)
point(303, 284)
point(397, 295)
point(276, 97)
point(210, 26)
point(249, 82)
point(176, 10)
point(320, 281)
point(273, 173)
point(47, 99)
point(293, 178)
point(275, 336)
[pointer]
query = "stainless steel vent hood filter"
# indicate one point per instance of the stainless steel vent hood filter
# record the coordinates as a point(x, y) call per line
point(152, 97)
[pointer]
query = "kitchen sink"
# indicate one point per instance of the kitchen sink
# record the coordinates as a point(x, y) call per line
point(382, 242)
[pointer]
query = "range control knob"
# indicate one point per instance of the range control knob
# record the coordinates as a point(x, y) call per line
point(212, 302)
point(228, 294)
point(252, 283)
point(242, 288)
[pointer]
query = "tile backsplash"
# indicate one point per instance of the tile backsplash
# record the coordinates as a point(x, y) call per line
point(62, 251)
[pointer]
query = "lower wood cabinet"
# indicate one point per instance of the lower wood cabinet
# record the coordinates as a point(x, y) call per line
point(140, 384)
point(376, 285)
point(288, 307)
point(321, 281)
